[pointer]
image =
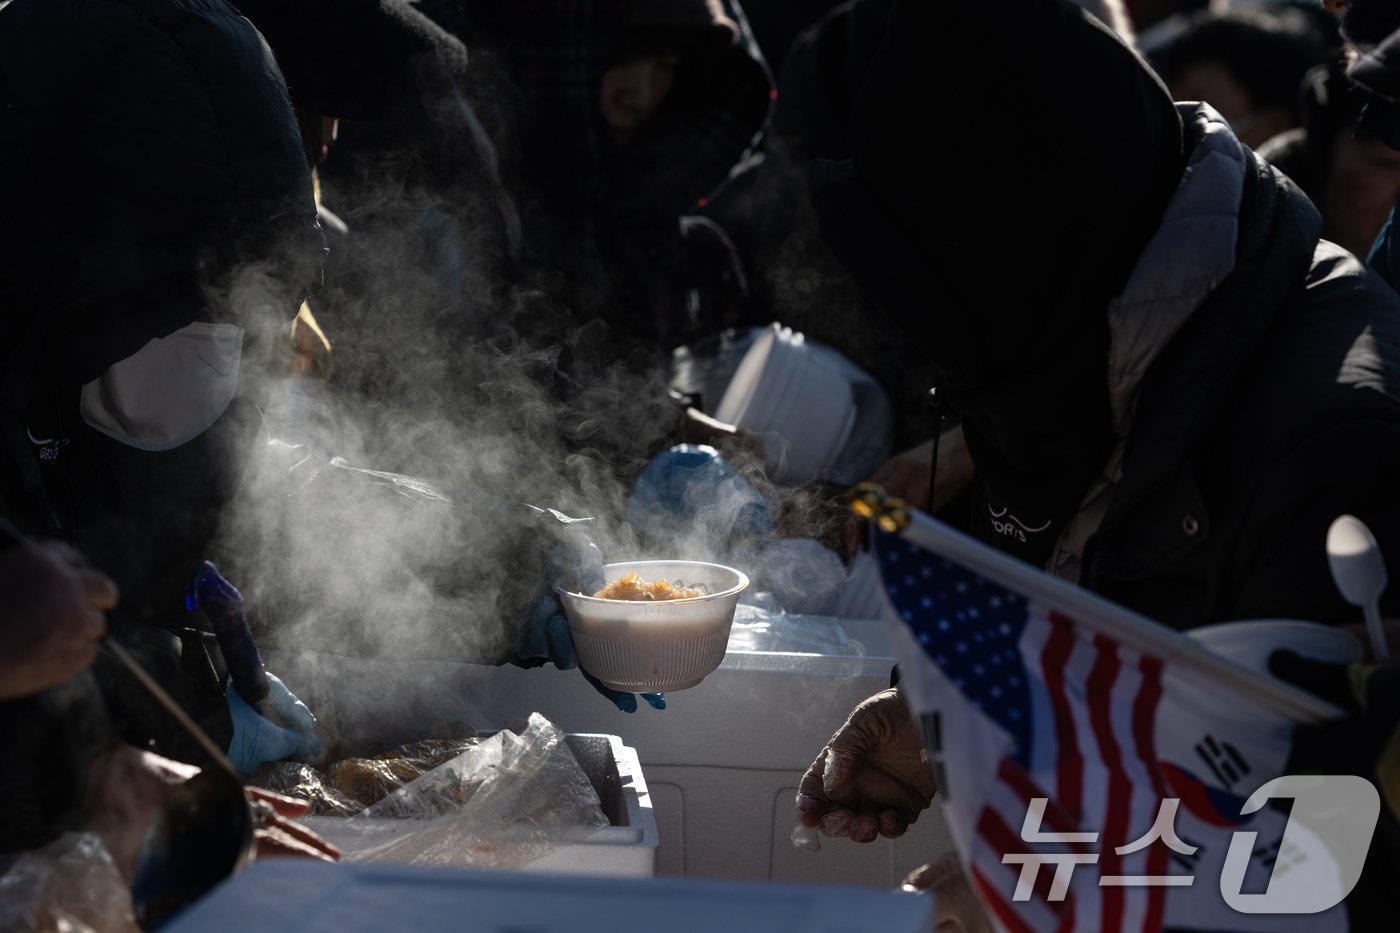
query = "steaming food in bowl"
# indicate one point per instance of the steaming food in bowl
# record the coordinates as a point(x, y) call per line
point(658, 636)
point(632, 587)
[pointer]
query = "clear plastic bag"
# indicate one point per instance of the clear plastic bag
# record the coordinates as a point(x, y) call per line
point(503, 803)
point(69, 886)
point(757, 628)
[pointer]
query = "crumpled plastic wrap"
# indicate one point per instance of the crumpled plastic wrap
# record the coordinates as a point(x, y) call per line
point(351, 784)
point(503, 803)
point(69, 886)
point(305, 783)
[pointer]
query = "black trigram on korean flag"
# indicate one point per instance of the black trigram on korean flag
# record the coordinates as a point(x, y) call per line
point(1223, 760)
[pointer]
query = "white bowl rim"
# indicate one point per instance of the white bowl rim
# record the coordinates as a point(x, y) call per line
point(734, 590)
point(1235, 626)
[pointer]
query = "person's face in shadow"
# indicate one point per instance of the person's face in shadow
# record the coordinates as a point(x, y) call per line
point(1362, 188)
point(1213, 83)
point(630, 92)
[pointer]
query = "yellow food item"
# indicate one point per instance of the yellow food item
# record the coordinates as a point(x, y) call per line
point(632, 587)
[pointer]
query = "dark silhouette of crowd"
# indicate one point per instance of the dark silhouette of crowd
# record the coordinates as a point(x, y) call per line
point(331, 293)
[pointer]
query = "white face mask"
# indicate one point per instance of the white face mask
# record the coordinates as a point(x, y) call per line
point(170, 391)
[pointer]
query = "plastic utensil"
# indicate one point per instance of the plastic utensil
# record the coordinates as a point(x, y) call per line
point(1359, 572)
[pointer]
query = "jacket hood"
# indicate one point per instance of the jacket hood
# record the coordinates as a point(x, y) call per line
point(1191, 253)
point(697, 27)
point(1175, 406)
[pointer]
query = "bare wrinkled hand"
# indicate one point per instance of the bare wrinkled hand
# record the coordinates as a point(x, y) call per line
point(128, 787)
point(906, 474)
point(52, 614)
point(872, 778)
point(278, 833)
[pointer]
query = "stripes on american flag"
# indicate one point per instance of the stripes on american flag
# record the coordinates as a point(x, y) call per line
point(1080, 711)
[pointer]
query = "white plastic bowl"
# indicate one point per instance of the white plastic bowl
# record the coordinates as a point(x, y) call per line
point(1250, 642)
point(661, 646)
point(798, 405)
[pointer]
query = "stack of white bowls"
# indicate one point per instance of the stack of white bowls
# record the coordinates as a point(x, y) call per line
point(792, 400)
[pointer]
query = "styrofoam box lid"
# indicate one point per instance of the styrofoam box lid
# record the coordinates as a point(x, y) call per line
point(306, 896)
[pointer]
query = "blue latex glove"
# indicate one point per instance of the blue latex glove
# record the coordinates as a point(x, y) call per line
point(257, 740)
point(575, 565)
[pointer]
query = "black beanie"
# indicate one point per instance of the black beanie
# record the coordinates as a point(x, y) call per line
point(357, 59)
point(1058, 150)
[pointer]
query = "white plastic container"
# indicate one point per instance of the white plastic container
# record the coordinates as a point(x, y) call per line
point(309, 896)
point(662, 646)
point(722, 761)
point(624, 848)
point(800, 407)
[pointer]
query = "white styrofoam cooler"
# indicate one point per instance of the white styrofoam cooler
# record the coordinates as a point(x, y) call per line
point(626, 847)
point(306, 896)
point(722, 762)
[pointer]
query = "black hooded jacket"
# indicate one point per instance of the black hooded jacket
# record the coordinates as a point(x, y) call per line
point(1154, 353)
point(148, 152)
point(146, 149)
point(601, 222)
point(1272, 409)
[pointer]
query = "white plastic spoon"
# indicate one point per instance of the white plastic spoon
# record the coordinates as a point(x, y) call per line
point(1359, 572)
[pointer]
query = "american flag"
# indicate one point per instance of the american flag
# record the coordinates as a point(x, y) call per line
point(1027, 688)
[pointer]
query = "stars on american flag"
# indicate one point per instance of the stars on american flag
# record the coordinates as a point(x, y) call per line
point(970, 627)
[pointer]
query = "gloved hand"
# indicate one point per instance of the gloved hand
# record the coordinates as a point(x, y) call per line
point(872, 778)
point(257, 740)
point(544, 635)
